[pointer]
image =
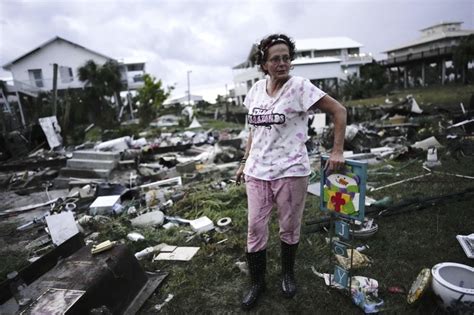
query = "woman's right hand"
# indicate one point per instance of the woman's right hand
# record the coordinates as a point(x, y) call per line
point(239, 175)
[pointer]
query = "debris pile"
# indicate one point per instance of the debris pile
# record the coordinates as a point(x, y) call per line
point(137, 198)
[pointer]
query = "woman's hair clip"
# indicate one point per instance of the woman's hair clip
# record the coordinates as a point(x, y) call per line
point(278, 39)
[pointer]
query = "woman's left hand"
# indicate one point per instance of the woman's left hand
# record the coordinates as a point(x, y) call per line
point(336, 162)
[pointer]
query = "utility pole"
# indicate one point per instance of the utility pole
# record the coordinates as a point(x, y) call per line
point(226, 104)
point(189, 89)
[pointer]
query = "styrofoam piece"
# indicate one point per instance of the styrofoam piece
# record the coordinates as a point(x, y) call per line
point(415, 108)
point(104, 204)
point(201, 225)
point(314, 189)
point(61, 226)
point(177, 181)
point(135, 236)
point(180, 253)
point(369, 201)
point(139, 142)
point(427, 143)
point(144, 253)
point(170, 225)
point(380, 150)
point(351, 132)
point(119, 144)
point(154, 218)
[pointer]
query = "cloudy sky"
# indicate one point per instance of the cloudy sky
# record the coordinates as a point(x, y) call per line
point(209, 37)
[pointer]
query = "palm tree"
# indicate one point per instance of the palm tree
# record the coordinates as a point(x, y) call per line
point(101, 82)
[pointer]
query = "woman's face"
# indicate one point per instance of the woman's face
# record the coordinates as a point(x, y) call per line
point(278, 62)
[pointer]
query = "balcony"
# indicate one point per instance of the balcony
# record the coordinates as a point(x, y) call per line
point(359, 59)
point(428, 55)
point(27, 88)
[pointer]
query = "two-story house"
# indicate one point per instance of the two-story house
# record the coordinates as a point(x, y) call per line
point(33, 71)
point(325, 61)
point(433, 49)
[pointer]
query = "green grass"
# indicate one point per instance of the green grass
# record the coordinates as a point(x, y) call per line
point(219, 124)
point(439, 95)
point(404, 245)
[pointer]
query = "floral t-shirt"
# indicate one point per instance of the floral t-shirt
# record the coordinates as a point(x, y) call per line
point(279, 128)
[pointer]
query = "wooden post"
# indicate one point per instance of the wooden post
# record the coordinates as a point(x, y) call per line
point(405, 77)
point(21, 109)
point(423, 74)
point(55, 87)
point(443, 71)
point(67, 113)
point(398, 77)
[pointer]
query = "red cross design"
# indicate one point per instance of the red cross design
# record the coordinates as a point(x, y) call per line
point(337, 201)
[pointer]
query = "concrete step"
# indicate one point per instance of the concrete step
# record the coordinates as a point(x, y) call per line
point(91, 164)
point(96, 155)
point(84, 173)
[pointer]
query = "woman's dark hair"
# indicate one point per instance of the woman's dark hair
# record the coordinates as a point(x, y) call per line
point(261, 54)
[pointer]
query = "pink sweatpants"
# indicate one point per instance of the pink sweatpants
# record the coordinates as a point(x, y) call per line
point(289, 195)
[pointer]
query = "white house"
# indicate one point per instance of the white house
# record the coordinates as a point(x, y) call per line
point(33, 71)
point(435, 45)
point(324, 61)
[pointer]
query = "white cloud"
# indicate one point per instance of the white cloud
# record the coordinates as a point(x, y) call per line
point(209, 37)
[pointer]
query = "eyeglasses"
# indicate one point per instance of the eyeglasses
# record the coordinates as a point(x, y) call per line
point(277, 59)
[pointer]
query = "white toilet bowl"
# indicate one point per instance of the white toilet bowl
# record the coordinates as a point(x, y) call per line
point(453, 283)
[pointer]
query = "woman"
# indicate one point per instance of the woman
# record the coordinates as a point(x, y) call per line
point(276, 163)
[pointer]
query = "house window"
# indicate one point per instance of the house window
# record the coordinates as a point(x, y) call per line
point(138, 78)
point(327, 53)
point(353, 51)
point(66, 74)
point(304, 54)
point(36, 77)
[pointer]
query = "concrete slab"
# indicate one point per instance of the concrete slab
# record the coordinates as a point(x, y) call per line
point(113, 278)
point(96, 155)
point(91, 164)
point(84, 173)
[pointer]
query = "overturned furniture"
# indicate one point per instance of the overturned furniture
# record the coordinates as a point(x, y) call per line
point(82, 282)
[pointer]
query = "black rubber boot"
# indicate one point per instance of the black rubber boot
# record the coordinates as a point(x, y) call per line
point(288, 255)
point(257, 263)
